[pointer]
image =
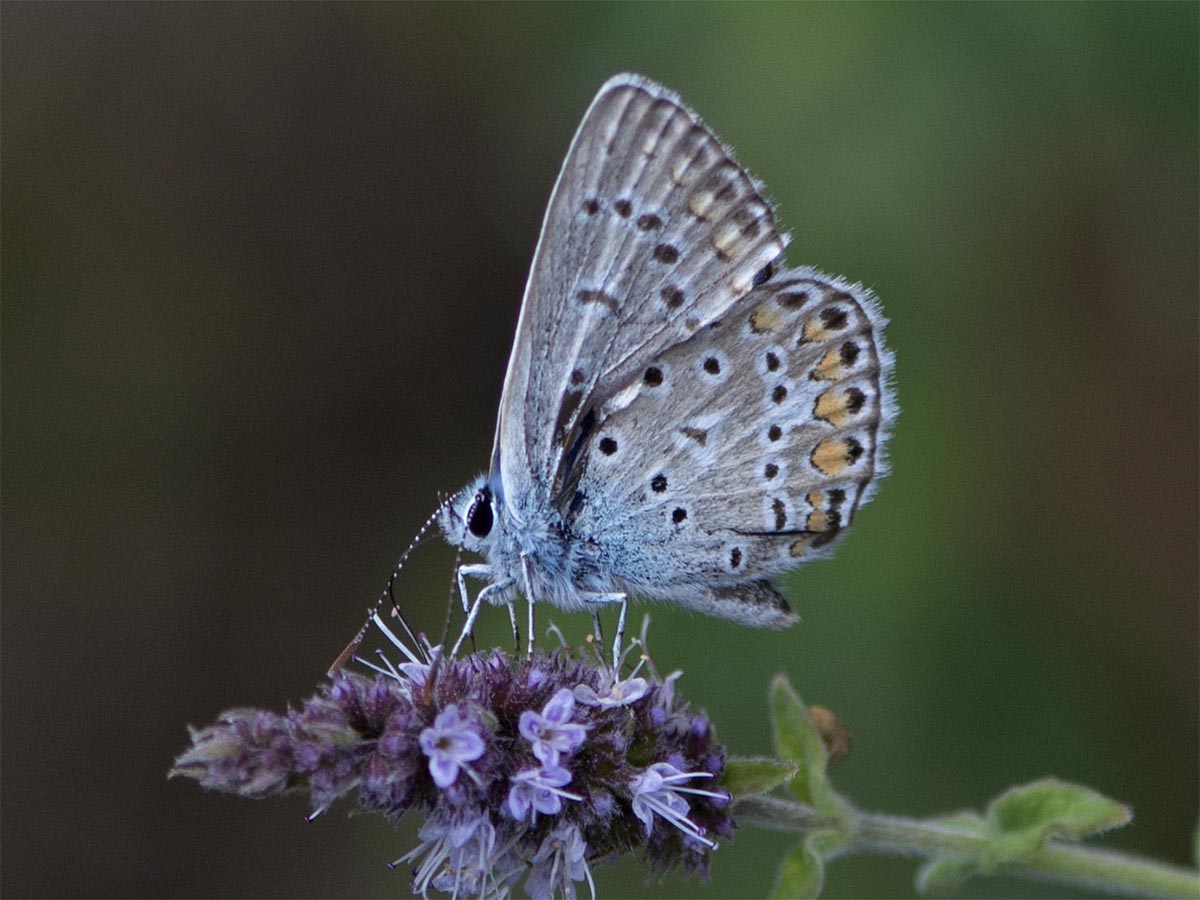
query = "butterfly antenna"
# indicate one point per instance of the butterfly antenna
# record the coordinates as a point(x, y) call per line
point(388, 593)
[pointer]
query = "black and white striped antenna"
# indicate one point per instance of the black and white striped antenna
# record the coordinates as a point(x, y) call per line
point(388, 594)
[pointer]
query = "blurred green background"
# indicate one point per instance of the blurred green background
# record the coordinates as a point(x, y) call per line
point(261, 270)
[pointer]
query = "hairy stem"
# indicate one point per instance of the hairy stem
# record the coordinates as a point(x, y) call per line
point(1102, 870)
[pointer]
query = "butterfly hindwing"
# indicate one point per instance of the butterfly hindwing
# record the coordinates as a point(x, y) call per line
point(757, 439)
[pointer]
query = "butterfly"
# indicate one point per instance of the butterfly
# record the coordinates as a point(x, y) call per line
point(683, 418)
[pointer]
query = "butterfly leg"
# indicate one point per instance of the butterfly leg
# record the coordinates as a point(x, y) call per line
point(605, 598)
point(620, 636)
point(496, 587)
point(473, 571)
point(529, 599)
point(516, 629)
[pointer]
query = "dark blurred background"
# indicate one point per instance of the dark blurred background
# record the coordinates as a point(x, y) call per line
point(261, 270)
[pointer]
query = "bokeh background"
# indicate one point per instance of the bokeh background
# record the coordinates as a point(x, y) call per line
point(261, 270)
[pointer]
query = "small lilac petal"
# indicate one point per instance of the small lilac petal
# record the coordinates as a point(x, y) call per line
point(519, 800)
point(648, 783)
point(448, 719)
point(556, 776)
point(630, 690)
point(587, 695)
point(573, 734)
point(529, 724)
point(429, 741)
point(416, 673)
point(444, 769)
point(546, 754)
point(560, 707)
point(468, 746)
point(546, 802)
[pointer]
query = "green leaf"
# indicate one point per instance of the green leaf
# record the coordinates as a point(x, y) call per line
point(1067, 810)
point(1022, 819)
point(799, 742)
point(801, 875)
point(744, 777)
point(943, 875)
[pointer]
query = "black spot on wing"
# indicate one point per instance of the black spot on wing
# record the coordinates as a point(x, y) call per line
point(672, 296)
point(599, 297)
point(833, 318)
point(666, 253)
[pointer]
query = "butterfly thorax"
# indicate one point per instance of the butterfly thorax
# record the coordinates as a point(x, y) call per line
point(529, 549)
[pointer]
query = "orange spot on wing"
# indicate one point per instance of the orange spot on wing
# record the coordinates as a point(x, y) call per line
point(765, 319)
point(830, 366)
point(832, 407)
point(834, 455)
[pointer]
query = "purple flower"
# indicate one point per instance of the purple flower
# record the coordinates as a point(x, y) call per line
point(532, 736)
point(621, 693)
point(539, 789)
point(450, 743)
point(459, 856)
point(414, 674)
point(560, 861)
point(657, 790)
point(551, 732)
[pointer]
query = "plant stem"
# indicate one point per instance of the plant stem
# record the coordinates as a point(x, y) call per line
point(1104, 870)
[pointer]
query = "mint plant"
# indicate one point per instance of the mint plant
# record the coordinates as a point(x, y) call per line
point(529, 772)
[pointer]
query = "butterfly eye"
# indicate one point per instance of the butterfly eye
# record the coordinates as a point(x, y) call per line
point(479, 516)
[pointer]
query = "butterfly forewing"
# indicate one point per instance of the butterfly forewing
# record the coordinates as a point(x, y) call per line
point(652, 232)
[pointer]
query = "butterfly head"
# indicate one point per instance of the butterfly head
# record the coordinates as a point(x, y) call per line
point(468, 519)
